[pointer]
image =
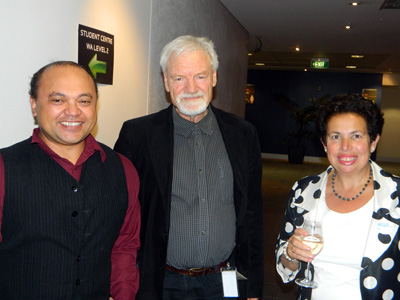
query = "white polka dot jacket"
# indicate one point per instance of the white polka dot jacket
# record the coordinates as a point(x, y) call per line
point(380, 274)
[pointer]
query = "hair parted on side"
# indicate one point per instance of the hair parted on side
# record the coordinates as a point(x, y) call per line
point(188, 43)
point(35, 80)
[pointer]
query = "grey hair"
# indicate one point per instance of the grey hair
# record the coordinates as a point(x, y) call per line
point(188, 43)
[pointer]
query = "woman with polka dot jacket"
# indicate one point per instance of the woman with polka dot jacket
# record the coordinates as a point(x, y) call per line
point(358, 205)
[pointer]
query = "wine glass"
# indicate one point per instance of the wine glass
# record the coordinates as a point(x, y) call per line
point(315, 241)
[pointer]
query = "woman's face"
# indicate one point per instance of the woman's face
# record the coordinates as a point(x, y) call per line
point(348, 143)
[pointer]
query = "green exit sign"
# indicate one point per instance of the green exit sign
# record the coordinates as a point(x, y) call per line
point(320, 63)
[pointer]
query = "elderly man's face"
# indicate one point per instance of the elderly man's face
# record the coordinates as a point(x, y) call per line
point(190, 80)
point(65, 108)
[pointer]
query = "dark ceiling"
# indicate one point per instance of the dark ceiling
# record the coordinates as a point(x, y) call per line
point(317, 27)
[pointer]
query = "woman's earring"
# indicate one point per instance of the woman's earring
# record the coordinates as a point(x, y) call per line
point(326, 150)
point(372, 150)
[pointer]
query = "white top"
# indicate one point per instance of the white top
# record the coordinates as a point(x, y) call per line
point(380, 279)
point(338, 266)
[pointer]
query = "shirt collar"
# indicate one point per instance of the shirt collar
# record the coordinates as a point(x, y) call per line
point(185, 127)
point(91, 145)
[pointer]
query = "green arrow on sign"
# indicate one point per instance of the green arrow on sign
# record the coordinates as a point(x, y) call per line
point(97, 66)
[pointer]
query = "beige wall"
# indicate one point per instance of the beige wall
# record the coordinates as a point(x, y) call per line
point(173, 18)
point(35, 33)
point(389, 144)
point(391, 79)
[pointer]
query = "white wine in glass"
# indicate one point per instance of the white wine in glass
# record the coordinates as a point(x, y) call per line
point(315, 241)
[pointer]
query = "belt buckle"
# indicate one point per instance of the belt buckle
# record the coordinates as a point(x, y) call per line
point(196, 272)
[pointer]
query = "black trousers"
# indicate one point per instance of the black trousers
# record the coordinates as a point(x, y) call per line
point(183, 287)
point(206, 287)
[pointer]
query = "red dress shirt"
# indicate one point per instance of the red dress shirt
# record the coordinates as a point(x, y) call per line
point(124, 273)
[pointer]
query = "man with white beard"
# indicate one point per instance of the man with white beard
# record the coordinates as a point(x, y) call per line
point(200, 194)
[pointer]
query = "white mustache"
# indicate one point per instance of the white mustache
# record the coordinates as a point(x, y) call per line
point(195, 95)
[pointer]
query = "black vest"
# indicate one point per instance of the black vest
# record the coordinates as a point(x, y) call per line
point(58, 233)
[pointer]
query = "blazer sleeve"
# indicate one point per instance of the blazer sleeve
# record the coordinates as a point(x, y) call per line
point(254, 216)
point(124, 142)
point(2, 192)
point(287, 229)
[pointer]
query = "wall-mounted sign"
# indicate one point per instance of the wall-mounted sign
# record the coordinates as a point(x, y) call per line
point(370, 94)
point(96, 52)
point(320, 63)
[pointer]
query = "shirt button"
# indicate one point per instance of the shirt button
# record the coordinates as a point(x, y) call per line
point(78, 258)
point(201, 171)
point(74, 189)
point(203, 200)
point(203, 232)
point(77, 282)
point(74, 214)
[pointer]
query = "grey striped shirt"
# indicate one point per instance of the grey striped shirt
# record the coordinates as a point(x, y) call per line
point(203, 220)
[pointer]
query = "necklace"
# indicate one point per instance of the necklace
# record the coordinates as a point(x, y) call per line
point(356, 196)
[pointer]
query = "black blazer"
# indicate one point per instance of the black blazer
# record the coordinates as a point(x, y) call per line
point(148, 142)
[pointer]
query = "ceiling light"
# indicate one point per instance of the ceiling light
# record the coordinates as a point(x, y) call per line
point(357, 56)
point(351, 67)
point(297, 49)
point(347, 27)
point(249, 54)
point(354, 3)
point(305, 70)
point(259, 64)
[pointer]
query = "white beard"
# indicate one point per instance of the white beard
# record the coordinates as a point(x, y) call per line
point(192, 107)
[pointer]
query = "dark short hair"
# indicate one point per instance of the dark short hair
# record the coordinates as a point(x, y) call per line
point(35, 80)
point(350, 103)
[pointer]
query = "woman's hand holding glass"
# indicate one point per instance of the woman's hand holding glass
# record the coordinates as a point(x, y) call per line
point(313, 242)
point(296, 249)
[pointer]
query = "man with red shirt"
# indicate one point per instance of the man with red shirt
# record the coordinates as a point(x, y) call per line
point(69, 210)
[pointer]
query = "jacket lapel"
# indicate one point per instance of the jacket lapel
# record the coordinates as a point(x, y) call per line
point(160, 144)
point(234, 143)
point(386, 217)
